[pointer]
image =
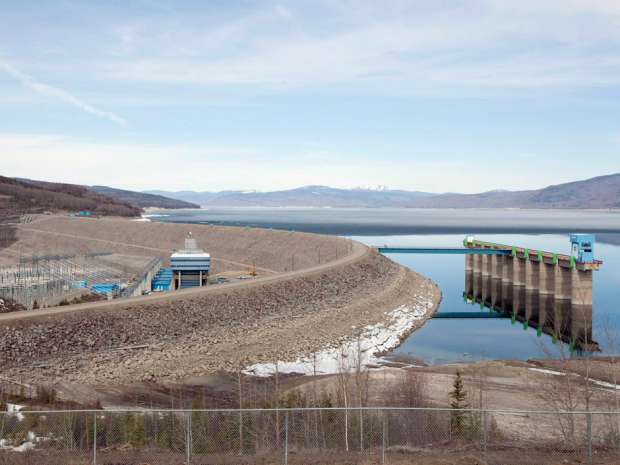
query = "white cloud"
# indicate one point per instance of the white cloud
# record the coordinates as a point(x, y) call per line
point(50, 91)
point(199, 167)
point(202, 167)
point(363, 47)
point(398, 45)
point(187, 59)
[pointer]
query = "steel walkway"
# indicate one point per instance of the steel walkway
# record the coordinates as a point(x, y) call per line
point(444, 250)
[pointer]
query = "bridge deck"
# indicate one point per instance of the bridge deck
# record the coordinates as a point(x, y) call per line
point(533, 254)
point(444, 250)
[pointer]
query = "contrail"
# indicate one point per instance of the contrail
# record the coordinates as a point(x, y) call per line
point(51, 91)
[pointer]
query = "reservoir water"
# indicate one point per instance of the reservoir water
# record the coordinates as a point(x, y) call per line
point(449, 340)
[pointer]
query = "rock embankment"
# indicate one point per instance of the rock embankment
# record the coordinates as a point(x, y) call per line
point(204, 333)
point(8, 305)
point(231, 247)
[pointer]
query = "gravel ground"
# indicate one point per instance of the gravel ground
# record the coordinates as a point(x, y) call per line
point(189, 335)
point(231, 248)
point(200, 335)
point(433, 454)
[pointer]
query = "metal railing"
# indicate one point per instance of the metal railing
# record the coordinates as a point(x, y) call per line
point(149, 270)
point(299, 435)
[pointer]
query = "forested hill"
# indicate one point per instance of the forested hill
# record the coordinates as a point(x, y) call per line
point(141, 199)
point(18, 197)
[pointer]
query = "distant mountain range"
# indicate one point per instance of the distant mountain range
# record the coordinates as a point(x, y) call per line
point(142, 199)
point(199, 198)
point(598, 192)
point(307, 196)
point(24, 195)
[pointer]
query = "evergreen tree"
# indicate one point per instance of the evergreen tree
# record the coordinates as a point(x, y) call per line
point(170, 432)
point(136, 432)
point(200, 427)
point(458, 402)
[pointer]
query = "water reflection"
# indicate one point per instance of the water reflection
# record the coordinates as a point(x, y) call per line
point(449, 340)
point(550, 309)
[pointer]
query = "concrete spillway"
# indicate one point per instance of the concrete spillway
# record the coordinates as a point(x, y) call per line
point(549, 291)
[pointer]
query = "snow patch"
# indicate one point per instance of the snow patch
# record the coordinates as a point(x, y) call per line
point(606, 384)
point(365, 350)
point(15, 409)
point(598, 382)
point(26, 446)
point(548, 372)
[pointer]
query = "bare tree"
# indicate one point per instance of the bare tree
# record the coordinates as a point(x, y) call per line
point(240, 395)
point(343, 391)
point(361, 384)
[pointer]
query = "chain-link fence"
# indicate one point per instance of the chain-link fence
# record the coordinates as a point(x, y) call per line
point(308, 435)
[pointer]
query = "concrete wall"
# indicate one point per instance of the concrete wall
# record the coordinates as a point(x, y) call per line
point(145, 280)
point(543, 294)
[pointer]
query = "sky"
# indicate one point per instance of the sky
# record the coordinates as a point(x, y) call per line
point(437, 95)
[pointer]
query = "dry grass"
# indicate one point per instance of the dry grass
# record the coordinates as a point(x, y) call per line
point(230, 247)
point(437, 454)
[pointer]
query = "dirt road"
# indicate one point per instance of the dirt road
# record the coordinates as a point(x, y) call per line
point(324, 288)
point(131, 245)
point(358, 252)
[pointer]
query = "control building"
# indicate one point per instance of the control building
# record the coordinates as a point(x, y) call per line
point(582, 247)
point(190, 266)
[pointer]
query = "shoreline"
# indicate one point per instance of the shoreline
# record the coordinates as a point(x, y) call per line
point(367, 350)
point(311, 207)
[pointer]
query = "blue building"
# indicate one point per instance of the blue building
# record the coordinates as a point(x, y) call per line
point(108, 289)
point(163, 280)
point(582, 247)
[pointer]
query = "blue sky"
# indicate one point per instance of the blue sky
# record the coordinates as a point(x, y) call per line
point(423, 95)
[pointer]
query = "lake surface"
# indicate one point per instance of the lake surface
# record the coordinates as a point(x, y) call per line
point(392, 221)
point(449, 340)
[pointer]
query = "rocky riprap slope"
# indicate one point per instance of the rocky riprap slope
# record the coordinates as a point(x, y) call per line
point(8, 305)
point(203, 333)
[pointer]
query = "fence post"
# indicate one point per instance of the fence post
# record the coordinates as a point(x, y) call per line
point(188, 439)
point(95, 438)
point(384, 428)
point(589, 435)
point(361, 430)
point(484, 431)
point(286, 438)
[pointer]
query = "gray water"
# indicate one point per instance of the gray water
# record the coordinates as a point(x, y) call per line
point(402, 221)
point(445, 340)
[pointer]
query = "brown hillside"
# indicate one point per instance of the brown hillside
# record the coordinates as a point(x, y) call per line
point(19, 197)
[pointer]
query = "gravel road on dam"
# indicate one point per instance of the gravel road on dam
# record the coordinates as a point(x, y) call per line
point(181, 335)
